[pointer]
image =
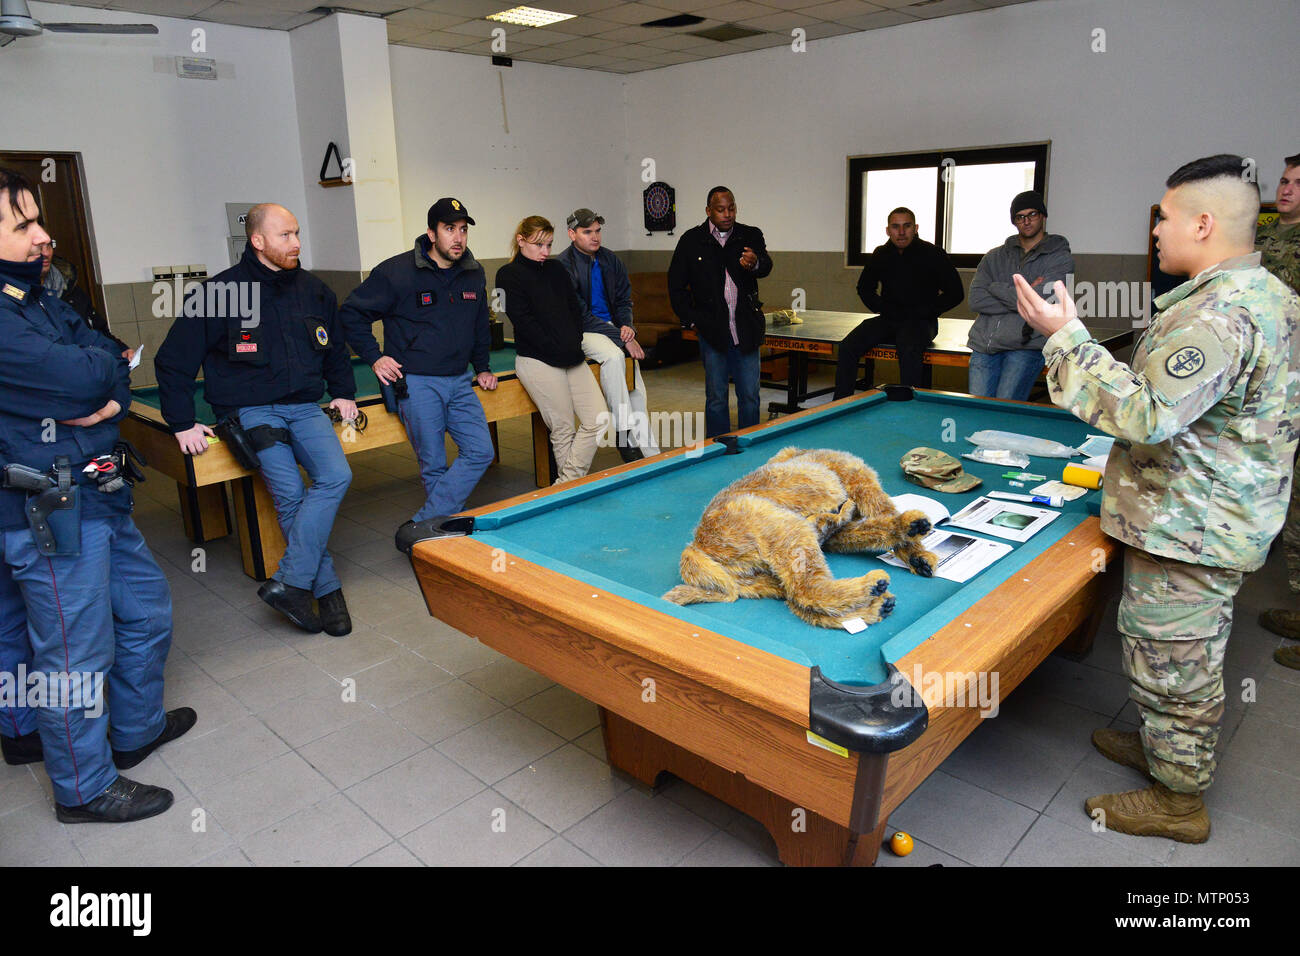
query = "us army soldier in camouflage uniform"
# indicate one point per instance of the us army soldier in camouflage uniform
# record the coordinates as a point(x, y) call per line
point(1279, 246)
point(1197, 482)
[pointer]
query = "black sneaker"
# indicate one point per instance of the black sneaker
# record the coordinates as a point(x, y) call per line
point(628, 450)
point(293, 603)
point(179, 721)
point(24, 749)
point(123, 801)
point(334, 615)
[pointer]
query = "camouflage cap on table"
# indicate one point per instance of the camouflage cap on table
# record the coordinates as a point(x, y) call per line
point(937, 470)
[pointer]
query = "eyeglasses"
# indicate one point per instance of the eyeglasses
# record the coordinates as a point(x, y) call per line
point(52, 244)
point(1025, 217)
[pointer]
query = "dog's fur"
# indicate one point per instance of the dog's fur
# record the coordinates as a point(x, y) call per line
point(763, 536)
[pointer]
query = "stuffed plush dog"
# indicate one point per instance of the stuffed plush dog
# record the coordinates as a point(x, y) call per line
point(763, 536)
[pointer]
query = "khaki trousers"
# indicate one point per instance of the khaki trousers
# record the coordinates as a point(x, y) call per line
point(562, 394)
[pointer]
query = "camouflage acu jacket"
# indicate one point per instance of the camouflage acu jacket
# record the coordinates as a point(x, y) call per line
point(1205, 417)
point(1279, 247)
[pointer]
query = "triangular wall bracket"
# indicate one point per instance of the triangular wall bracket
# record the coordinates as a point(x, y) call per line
point(330, 181)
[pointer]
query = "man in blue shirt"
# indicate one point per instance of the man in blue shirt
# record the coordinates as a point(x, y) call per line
point(603, 288)
point(98, 608)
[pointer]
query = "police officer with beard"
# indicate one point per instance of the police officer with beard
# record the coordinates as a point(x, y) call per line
point(268, 337)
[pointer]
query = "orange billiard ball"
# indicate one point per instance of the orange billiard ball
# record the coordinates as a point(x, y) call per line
point(900, 843)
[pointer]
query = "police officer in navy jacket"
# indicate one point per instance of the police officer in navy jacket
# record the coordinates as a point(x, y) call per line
point(98, 609)
point(432, 300)
point(267, 335)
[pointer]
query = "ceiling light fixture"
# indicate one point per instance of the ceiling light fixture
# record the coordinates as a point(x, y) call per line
point(530, 17)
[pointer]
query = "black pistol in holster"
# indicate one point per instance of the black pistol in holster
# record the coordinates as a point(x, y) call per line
point(48, 495)
point(246, 443)
point(393, 392)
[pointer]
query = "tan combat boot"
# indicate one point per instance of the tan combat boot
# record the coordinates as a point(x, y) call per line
point(1288, 656)
point(1123, 747)
point(1155, 811)
point(1281, 621)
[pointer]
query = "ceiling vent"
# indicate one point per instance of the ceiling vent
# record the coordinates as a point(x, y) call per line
point(680, 20)
point(728, 31)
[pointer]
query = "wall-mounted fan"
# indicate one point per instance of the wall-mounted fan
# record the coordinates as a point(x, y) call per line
point(17, 21)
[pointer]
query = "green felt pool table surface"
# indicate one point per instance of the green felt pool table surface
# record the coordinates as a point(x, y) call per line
point(625, 533)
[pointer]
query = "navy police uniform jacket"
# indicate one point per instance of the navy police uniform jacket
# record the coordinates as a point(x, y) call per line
point(55, 368)
point(285, 353)
point(435, 320)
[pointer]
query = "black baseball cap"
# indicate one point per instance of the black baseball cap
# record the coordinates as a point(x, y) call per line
point(448, 210)
point(582, 218)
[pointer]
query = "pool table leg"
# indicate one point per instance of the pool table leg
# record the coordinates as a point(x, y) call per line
point(204, 512)
point(261, 542)
point(803, 838)
point(543, 460)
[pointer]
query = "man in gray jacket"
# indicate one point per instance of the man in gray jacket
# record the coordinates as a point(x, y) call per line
point(605, 293)
point(1006, 354)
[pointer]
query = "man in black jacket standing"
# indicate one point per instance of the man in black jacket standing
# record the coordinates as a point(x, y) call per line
point(433, 302)
point(713, 287)
point(268, 337)
point(917, 283)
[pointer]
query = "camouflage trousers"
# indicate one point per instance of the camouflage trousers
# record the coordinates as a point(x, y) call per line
point(1291, 533)
point(1174, 619)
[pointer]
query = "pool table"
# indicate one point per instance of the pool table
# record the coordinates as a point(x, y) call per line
point(808, 730)
point(200, 482)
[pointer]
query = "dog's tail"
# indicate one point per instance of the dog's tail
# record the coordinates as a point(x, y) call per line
point(707, 581)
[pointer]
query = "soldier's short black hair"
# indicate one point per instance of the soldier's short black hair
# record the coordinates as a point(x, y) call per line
point(12, 184)
point(714, 191)
point(899, 211)
point(1291, 161)
point(1222, 165)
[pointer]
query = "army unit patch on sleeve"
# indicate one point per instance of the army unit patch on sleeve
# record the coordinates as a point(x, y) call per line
point(322, 336)
point(1186, 362)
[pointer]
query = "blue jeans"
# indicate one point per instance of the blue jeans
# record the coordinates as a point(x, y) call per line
point(742, 369)
point(306, 515)
point(437, 404)
point(108, 612)
point(1005, 374)
point(15, 651)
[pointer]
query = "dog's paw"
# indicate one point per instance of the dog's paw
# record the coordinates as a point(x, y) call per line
point(919, 527)
point(880, 587)
point(886, 606)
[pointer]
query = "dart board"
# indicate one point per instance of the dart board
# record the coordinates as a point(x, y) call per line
point(660, 201)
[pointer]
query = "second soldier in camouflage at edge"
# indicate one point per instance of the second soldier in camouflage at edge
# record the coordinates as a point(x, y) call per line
point(1197, 483)
point(1278, 243)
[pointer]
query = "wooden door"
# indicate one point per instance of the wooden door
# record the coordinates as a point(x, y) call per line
point(60, 193)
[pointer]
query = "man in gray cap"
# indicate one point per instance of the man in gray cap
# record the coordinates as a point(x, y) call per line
point(1006, 354)
point(603, 289)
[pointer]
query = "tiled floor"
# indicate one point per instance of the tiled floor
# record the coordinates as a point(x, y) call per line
point(408, 743)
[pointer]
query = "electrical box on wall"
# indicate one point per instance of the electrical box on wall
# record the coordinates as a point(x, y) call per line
point(236, 237)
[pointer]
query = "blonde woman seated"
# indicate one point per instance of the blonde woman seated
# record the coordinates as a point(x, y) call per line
point(547, 318)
